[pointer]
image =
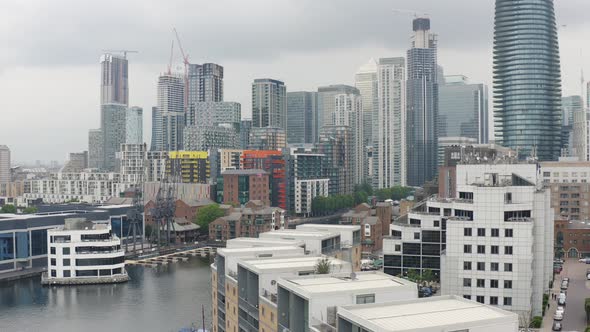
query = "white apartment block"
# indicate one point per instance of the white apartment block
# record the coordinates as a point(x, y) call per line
point(306, 191)
point(4, 164)
point(348, 111)
point(432, 314)
point(581, 135)
point(230, 159)
point(84, 252)
point(132, 161)
point(566, 171)
point(389, 149)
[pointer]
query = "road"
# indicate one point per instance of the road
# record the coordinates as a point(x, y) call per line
point(578, 290)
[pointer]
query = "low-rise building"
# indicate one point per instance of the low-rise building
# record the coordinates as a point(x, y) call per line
point(84, 252)
point(310, 303)
point(572, 238)
point(570, 188)
point(251, 220)
point(433, 314)
point(372, 233)
point(350, 238)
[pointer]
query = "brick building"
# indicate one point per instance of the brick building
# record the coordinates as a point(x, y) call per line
point(244, 185)
point(185, 212)
point(371, 226)
point(272, 162)
point(249, 221)
point(572, 239)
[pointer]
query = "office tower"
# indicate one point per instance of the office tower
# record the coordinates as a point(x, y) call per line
point(114, 86)
point(365, 80)
point(134, 125)
point(267, 138)
point(305, 179)
point(569, 106)
point(336, 144)
point(389, 125)
point(113, 124)
point(4, 164)
point(269, 103)
point(95, 148)
point(422, 104)
point(527, 78)
point(245, 127)
point(168, 118)
point(327, 102)
point(463, 109)
point(348, 111)
point(302, 124)
point(272, 162)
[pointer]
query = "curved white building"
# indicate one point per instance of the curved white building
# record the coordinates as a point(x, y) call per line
point(84, 252)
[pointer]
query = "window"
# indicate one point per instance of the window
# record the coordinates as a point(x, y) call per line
point(494, 266)
point(507, 250)
point(53, 262)
point(517, 215)
point(466, 248)
point(493, 300)
point(468, 297)
point(508, 232)
point(507, 267)
point(365, 298)
point(481, 249)
point(508, 198)
point(52, 250)
point(507, 301)
point(508, 284)
point(66, 251)
point(272, 317)
point(546, 174)
point(263, 311)
point(480, 299)
point(53, 273)
point(481, 232)
point(481, 283)
point(436, 223)
point(416, 236)
point(398, 247)
point(66, 262)
point(466, 282)
point(495, 232)
point(466, 265)
point(67, 274)
point(495, 250)
point(481, 266)
point(494, 283)
point(466, 231)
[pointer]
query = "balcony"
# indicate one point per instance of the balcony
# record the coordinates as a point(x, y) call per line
point(402, 224)
point(270, 296)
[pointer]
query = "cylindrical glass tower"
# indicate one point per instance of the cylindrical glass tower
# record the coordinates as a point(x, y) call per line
point(527, 78)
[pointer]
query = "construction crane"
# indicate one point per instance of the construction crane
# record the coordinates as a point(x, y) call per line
point(186, 65)
point(121, 51)
point(170, 61)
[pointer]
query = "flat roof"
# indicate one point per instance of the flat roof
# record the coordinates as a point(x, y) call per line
point(297, 263)
point(250, 242)
point(322, 283)
point(438, 311)
point(331, 227)
point(238, 251)
point(294, 234)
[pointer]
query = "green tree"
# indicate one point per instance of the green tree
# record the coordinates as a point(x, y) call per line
point(427, 275)
point(413, 275)
point(30, 210)
point(148, 229)
point(8, 208)
point(323, 266)
point(587, 309)
point(208, 214)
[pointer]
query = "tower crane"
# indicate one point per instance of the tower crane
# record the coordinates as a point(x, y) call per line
point(121, 51)
point(170, 61)
point(186, 65)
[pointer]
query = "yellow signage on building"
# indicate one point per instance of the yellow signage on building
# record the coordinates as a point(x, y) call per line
point(188, 154)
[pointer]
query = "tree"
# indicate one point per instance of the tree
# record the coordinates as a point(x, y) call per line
point(587, 309)
point(427, 275)
point(323, 266)
point(8, 208)
point(148, 229)
point(208, 214)
point(30, 210)
point(414, 276)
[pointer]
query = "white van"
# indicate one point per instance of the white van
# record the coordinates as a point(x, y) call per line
point(561, 299)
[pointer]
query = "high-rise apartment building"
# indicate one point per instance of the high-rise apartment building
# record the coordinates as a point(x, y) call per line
point(422, 104)
point(305, 179)
point(132, 161)
point(134, 125)
point(389, 125)
point(267, 138)
point(327, 102)
point(348, 111)
point(336, 144)
point(463, 109)
point(4, 164)
point(245, 128)
point(581, 135)
point(570, 105)
point(170, 93)
point(205, 83)
point(302, 113)
point(189, 166)
point(168, 118)
point(95, 148)
point(365, 80)
point(213, 113)
point(269, 103)
point(113, 124)
point(210, 137)
point(527, 78)
point(114, 85)
point(272, 162)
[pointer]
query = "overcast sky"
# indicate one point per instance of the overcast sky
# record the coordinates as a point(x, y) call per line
point(49, 63)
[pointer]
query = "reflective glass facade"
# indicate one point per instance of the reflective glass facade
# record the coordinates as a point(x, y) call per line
point(527, 78)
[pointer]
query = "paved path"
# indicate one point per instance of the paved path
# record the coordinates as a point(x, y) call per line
point(578, 290)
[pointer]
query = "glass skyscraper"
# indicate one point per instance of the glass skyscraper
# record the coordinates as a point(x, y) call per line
point(302, 121)
point(527, 78)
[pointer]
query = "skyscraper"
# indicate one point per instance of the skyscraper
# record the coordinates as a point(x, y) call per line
point(348, 111)
point(134, 125)
point(95, 153)
point(4, 164)
point(327, 101)
point(245, 128)
point(527, 78)
point(422, 104)
point(335, 142)
point(302, 121)
point(205, 84)
point(463, 109)
point(389, 124)
point(168, 118)
point(113, 125)
point(570, 105)
point(269, 103)
point(365, 80)
point(114, 85)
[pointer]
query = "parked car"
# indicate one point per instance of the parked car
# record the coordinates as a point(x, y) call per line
point(556, 326)
point(560, 309)
point(561, 299)
point(558, 316)
point(582, 260)
point(588, 276)
point(567, 279)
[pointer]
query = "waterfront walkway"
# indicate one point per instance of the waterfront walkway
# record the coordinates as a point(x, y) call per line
point(21, 274)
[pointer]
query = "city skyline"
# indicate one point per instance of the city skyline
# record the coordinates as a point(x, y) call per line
point(303, 64)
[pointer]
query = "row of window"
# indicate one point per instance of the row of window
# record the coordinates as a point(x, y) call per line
point(88, 273)
point(481, 249)
point(481, 266)
point(481, 283)
point(507, 301)
point(495, 232)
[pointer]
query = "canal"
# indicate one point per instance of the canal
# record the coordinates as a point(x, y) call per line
point(165, 298)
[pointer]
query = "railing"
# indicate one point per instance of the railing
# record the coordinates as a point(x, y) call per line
point(405, 224)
